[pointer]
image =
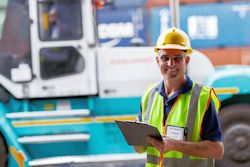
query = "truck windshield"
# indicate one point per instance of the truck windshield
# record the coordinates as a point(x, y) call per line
point(15, 36)
point(59, 19)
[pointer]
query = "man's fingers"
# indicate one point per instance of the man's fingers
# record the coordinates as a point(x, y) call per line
point(151, 140)
point(156, 143)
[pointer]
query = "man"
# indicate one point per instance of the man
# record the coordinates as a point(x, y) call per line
point(61, 23)
point(53, 24)
point(184, 112)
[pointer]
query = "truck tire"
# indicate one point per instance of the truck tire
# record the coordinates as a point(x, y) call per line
point(235, 123)
point(3, 153)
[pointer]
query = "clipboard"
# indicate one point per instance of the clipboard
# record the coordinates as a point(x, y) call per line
point(135, 133)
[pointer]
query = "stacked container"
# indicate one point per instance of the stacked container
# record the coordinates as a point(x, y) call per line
point(220, 30)
point(123, 23)
point(228, 55)
point(154, 3)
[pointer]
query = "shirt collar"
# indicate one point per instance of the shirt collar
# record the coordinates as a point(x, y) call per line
point(184, 89)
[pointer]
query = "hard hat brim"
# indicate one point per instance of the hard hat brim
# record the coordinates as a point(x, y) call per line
point(173, 46)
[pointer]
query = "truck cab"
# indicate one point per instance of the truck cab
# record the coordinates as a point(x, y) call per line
point(42, 58)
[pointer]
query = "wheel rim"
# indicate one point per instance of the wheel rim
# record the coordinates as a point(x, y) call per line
point(237, 142)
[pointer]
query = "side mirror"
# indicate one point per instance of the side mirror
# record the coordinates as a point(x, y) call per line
point(21, 74)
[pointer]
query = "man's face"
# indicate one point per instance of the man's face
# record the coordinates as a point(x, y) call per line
point(172, 63)
point(52, 17)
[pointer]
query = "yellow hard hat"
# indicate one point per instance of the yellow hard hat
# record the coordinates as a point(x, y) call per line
point(173, 38)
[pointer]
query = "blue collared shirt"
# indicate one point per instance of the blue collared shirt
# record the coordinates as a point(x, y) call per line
point(211, 129)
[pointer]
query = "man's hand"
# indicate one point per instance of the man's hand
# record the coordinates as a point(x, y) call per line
point(140, 149)
point(163, 146)
point(205, 149)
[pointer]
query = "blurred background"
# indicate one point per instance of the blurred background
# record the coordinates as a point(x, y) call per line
point(70, 68)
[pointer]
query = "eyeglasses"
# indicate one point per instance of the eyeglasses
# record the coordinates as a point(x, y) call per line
point(176, 59)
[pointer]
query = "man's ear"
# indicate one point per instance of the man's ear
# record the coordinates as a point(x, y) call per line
point(157, 60)
point(187, 59)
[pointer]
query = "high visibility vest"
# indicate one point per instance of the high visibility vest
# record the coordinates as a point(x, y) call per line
point(187, 111)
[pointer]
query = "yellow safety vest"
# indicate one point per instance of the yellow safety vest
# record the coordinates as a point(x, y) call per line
point(187, 111)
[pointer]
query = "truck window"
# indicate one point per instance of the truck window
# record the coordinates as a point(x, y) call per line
point(59, 19)
point(60, 61)
point(15, 39)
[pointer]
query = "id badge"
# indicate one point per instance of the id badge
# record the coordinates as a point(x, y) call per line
point(177, 133)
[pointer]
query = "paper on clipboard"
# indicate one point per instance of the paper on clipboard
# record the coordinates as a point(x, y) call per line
point(135, 133)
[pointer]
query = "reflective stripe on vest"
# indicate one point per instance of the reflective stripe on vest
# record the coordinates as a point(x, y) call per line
point(150, 102)
point(192, 109)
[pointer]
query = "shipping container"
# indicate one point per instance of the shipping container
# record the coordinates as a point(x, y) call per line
point(217, 25)
point(159, 21)
point(197, 1)
point(122, 27)
point(127, 3)
point(208, 25)
point(206, 1)
point(155, 3)
point(223, 56)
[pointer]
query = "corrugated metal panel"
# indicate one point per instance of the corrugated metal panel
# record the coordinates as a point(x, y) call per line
point(209, 26)
point(223, 56)
point(117, 27)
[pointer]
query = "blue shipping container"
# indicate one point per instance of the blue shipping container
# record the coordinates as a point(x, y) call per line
point(122, 27)
point(159, 21)
point(128, 3)
point(209, 25)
